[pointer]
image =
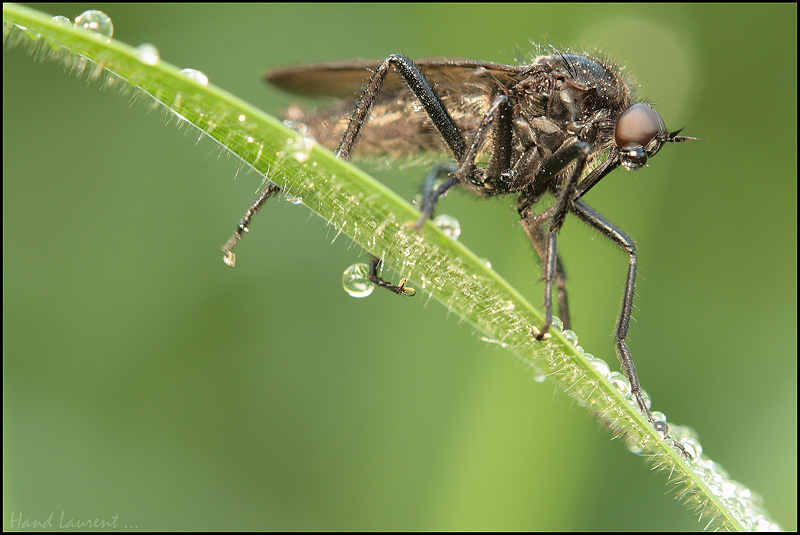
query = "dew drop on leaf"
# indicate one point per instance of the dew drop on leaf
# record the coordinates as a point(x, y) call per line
point(195, 75)
point(95, 21)
point(449, 225)
point(147, 54)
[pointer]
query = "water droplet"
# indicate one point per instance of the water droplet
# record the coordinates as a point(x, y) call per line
point(620, 382)
point(61, 20)
point(449, 225)
point(600, 365)
point(634, 446)
point(95, 21)
point(556, 322)
point(571, 336)
point(539, 375)
point(684, 432)
point(356, 282)
point(195, 75)
point(661, 426)
point(301, 148)
point(692, 447)
point(486, 262)
point(658, 417)
point(229, 258)
point(294, 200)
point(148, 53)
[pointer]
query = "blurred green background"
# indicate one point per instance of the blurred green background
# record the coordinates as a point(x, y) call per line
point(145, 379)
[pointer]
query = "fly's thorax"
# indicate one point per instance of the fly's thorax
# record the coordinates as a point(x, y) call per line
point(579, 95)
point(602, 82)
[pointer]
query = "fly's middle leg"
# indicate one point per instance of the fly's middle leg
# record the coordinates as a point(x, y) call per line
point(496, 120)
point(399, 289)
point(545, 242)
point(539, 241)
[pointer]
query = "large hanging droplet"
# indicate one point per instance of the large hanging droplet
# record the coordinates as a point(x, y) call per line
point(355, 280)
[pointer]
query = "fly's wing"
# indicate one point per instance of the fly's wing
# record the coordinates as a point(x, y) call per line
point(398, 125)
point(346, 79)
point(343, 80)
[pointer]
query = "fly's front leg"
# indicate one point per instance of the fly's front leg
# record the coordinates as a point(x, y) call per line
point(608, 229)
point(242, 227)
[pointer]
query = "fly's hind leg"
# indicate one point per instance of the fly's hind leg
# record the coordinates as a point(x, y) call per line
point(242, 227)
point(497, 120)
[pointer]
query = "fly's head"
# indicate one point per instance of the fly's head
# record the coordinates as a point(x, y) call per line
point(639, 134)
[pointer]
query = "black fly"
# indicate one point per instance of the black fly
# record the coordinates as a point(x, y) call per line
point(555, 126)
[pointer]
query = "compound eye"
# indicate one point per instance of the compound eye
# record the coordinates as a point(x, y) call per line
point(638, 126)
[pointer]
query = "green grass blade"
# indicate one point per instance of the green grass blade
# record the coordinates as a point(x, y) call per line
point(375, 218)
